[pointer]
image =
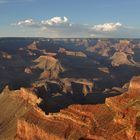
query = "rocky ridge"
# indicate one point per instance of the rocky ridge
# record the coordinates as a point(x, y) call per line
point(118, 118)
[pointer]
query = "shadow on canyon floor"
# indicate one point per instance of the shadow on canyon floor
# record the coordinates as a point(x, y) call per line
point(54, 103)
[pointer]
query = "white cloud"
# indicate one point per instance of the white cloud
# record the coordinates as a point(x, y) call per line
point(62, 27)
point(107, 27)
point(55, 21)
point(27, 22)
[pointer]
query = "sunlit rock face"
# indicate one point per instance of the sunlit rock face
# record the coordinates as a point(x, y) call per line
point(28, 70)
point(50, 65)
point(127, 109)
point(118, 118)
point(79, 86)
point(71, 53)
point(5, 55)
point(134, 86)
point(22, 119)
point(120, 58)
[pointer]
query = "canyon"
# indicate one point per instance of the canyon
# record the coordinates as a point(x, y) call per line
point(69, 89)
point(117, 118)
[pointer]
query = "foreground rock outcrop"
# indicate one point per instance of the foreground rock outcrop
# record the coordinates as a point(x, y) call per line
point(127, 110)
point(117, 119)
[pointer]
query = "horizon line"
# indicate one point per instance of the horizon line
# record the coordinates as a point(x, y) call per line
point(75, 37)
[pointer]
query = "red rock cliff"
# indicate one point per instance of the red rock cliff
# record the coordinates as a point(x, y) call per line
point(117, 119)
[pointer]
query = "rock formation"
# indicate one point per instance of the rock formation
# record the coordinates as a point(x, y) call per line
point(71, 53)
point(104, 69)
point(50, 65)
point(118, 118)
point(5, 55)
point(127, 110)
point(71, 90)
point(102, 48)
point(32, 46)
point(120, 58)
point(134, 86)
point(79, 86)
point(28, 70)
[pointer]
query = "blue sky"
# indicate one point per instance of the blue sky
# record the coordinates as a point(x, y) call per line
point(70, 18)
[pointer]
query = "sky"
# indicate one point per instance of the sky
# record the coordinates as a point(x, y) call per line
point(70, 18)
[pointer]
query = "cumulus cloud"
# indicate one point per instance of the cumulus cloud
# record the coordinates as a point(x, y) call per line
point(55, 21)
point(62, 27)
point(107, 27)
point(27, 23)
point(55, 26)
